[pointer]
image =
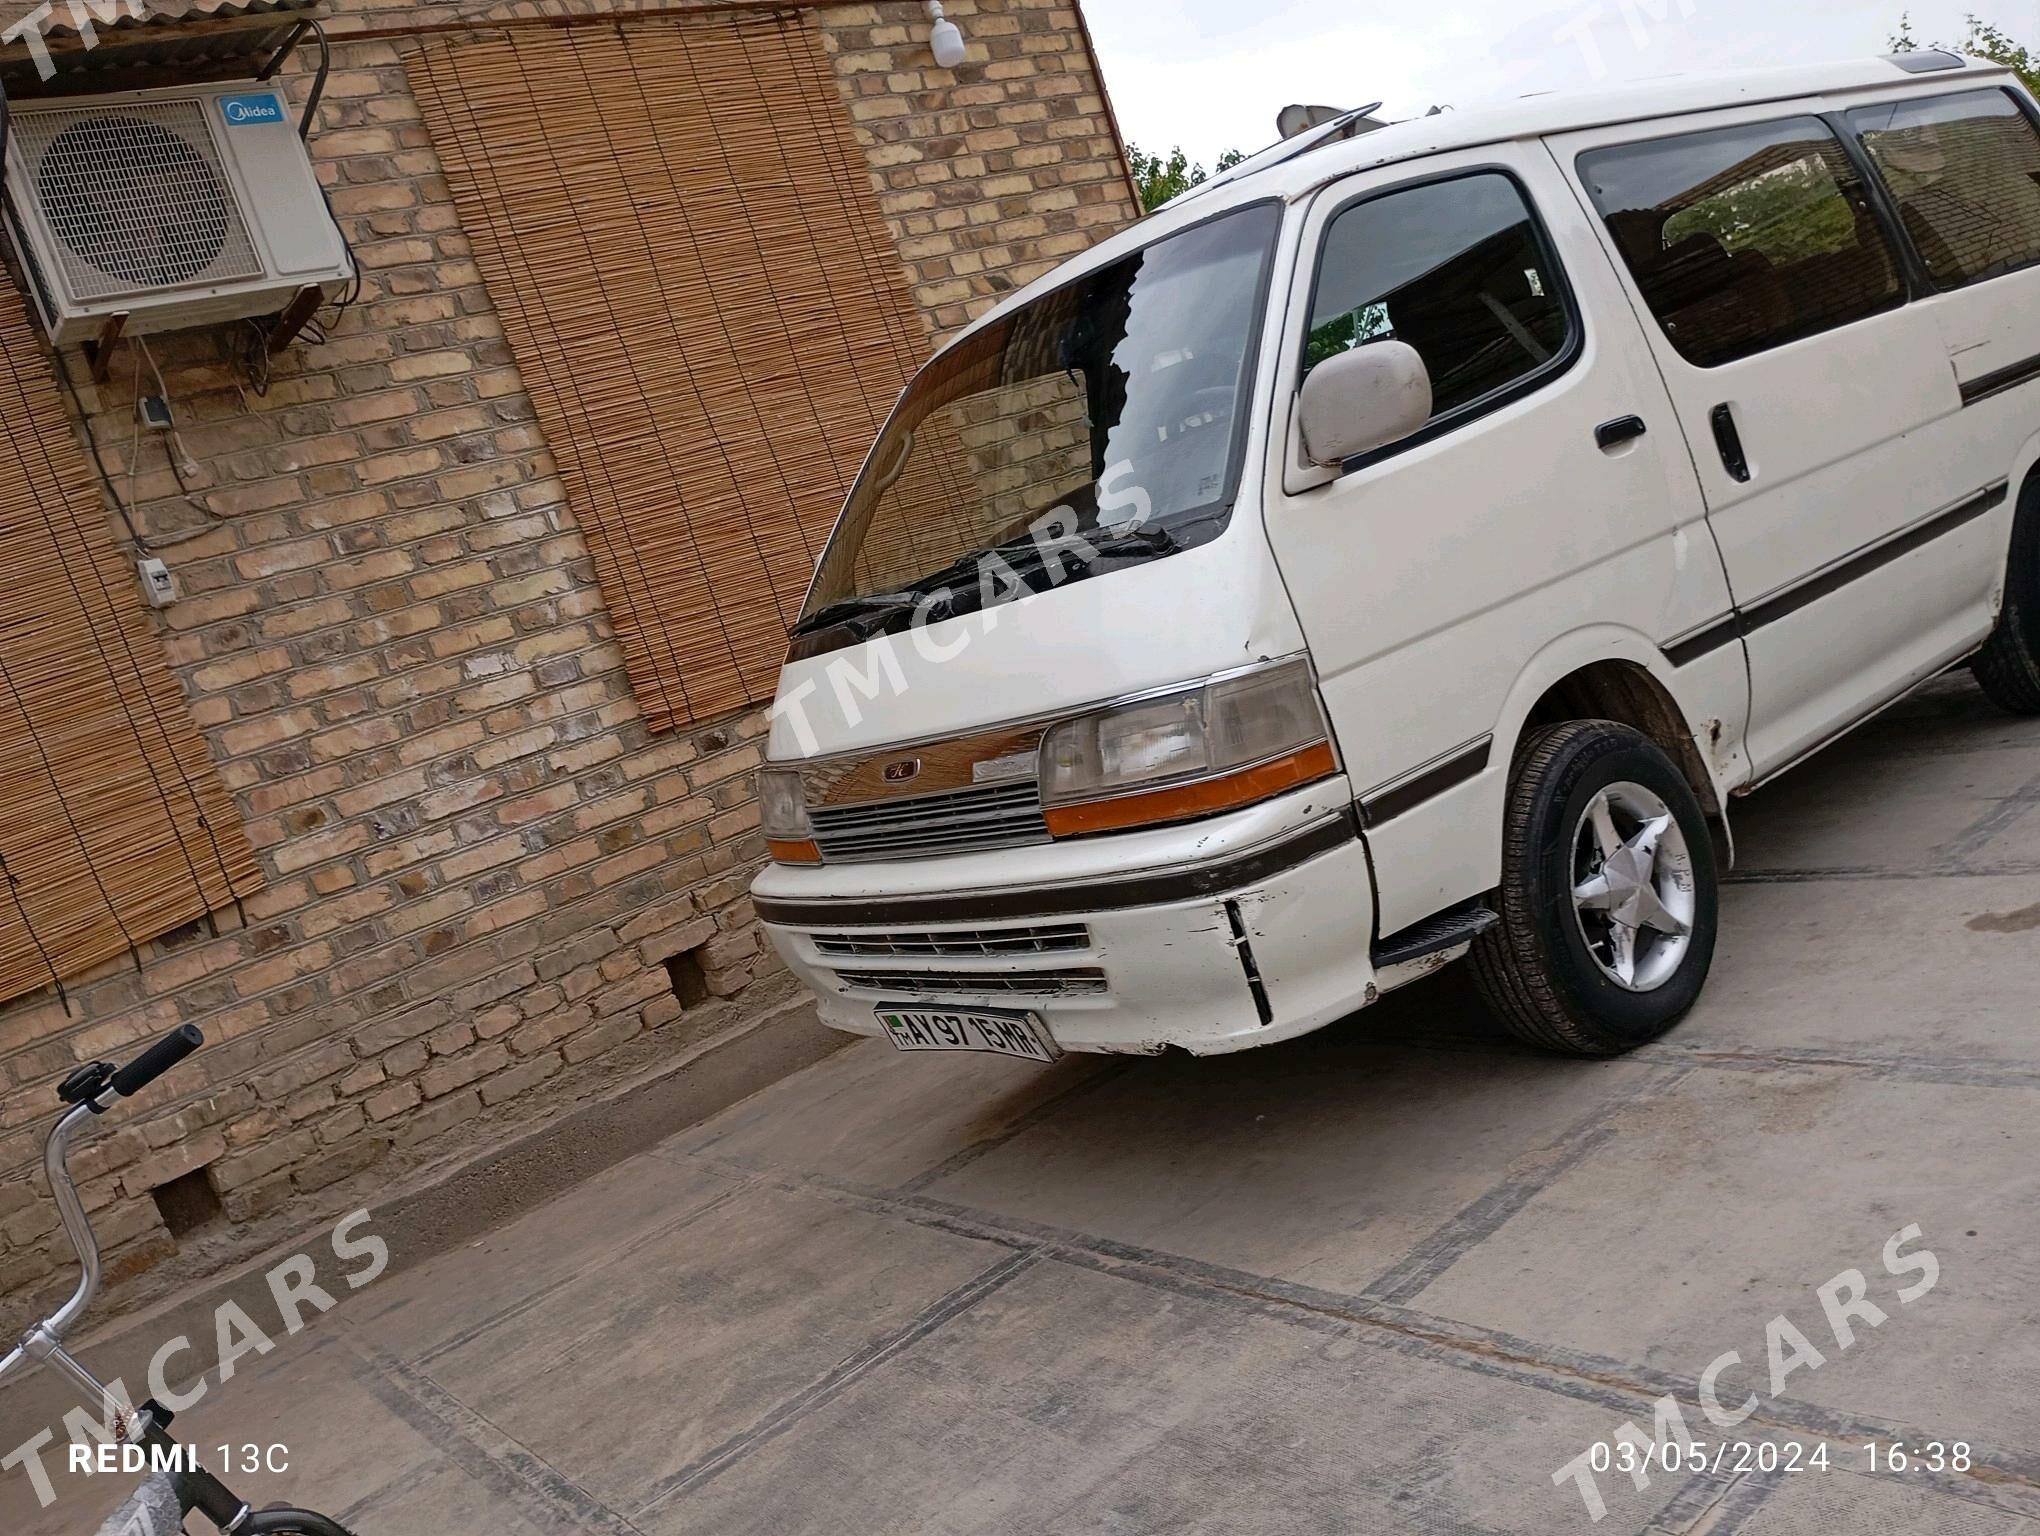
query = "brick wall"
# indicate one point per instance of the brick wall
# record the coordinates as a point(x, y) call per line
point(992, 174)
point(483, 873)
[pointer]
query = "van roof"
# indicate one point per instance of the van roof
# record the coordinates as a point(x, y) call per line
point(1293, 170)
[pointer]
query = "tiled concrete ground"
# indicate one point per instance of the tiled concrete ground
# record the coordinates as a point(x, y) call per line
point(1386, 1279)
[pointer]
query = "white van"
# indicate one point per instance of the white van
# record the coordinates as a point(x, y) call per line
point(1407, 546)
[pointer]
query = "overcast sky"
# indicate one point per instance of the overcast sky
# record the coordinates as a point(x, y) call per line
point(1211, 74)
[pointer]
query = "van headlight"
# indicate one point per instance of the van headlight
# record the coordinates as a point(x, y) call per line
point(782, 811)
point(1194, 752)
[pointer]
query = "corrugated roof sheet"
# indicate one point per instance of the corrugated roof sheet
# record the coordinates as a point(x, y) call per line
point(170, 42)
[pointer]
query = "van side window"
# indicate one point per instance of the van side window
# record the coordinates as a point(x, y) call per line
point(1459, 270)
point(1743, 239)
point(1965, 173)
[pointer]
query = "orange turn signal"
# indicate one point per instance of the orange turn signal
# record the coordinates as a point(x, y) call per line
point(786, 851)
point(1183, 801)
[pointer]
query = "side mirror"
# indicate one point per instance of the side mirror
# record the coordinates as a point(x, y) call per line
point(1364, 399)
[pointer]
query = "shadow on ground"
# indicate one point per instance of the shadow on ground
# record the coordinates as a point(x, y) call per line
point(1392, 1277)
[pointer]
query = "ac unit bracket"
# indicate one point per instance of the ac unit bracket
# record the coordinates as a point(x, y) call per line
point(99, 351)
point(296, 315)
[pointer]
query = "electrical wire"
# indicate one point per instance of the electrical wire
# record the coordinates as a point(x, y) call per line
point(346, 300)
point(254, 358)
point(173, 438)
point(121, 504)
point(99, 462)
point(80, 541)
point(134, 456)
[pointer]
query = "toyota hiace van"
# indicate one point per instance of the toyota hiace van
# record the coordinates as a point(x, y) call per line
point(1406, 547)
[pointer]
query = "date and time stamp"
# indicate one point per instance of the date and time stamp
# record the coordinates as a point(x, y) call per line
point(1733, 1458)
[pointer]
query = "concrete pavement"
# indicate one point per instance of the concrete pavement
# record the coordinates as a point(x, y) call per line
point(1389, 1278)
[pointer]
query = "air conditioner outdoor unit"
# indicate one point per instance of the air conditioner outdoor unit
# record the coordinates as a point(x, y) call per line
point(176, 208)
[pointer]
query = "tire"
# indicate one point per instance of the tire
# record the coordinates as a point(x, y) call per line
point(2008, 666)
point(1548, 982)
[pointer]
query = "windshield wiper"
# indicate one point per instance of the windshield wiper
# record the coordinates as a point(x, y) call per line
point(1152, 541)
point(1030, 556)
point(878, 605)
point(1024, 557)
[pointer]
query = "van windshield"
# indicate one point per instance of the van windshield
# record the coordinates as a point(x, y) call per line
point(1095, 428)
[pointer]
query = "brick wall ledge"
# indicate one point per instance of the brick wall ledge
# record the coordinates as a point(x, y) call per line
point(452, 1203)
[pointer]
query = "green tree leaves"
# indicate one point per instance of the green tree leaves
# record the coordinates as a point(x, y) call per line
point(1161, 178)
point(1982, 39)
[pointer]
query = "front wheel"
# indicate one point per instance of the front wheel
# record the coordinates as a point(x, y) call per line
point(278, 1520)
point(1608, 899)
point(2008, 666)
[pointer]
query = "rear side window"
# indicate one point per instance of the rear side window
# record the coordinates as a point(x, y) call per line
point(1457, 269)
point(1965, 173)
point(1743, 239)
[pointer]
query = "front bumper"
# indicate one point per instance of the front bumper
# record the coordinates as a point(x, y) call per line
point(1216, 936)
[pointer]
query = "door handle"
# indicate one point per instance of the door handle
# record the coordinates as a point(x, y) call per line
point(1624, 429)
point(1729, 441)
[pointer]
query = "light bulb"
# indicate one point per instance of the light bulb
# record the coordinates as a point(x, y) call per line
point(947, 41)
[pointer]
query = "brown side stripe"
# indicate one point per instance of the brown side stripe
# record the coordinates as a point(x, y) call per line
point(1996, 383)
point(1773, 609)
point(1680, 652)
point(1748, 621)
point(1453, 771)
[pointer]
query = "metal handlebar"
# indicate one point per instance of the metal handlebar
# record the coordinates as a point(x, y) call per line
point(71, 1210)
point(156, 1060)
point(89, 1091)
point(103, 1087)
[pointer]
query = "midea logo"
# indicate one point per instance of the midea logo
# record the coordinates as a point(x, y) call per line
point(252, 109)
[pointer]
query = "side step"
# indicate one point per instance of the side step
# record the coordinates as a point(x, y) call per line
point(1434, 935)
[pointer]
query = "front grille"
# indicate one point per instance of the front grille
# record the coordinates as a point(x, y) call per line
point(1053, 938)
point(927, 826)
point(1085, 981)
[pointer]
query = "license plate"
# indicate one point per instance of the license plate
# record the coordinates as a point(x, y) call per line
point(1001, 1034)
